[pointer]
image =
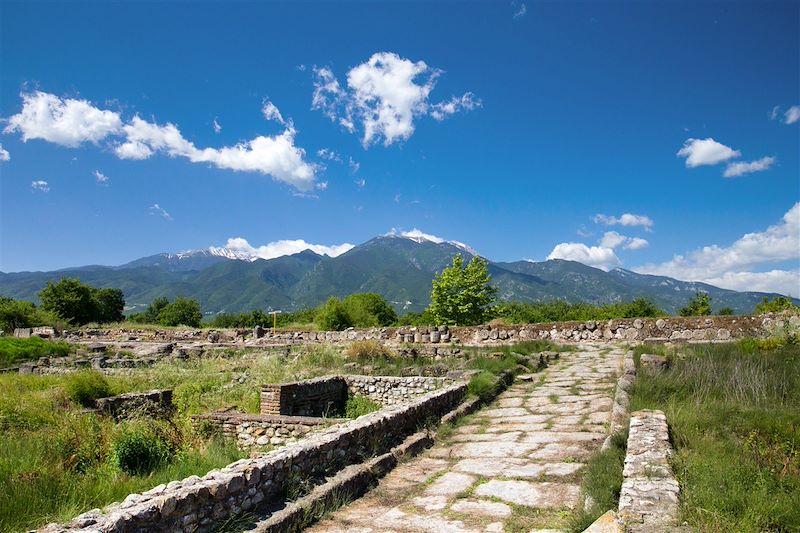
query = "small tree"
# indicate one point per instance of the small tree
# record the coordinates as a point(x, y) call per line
point(461, 295)
point(109, 304)
point(70, 300)
point(333, 316)
point(777, 304)
point(181, 312)
point(699, 305)
point(725, 311)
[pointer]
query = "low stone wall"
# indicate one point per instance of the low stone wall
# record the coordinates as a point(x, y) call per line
point(313, 397)
point(197, 504)
point(253, 431)
point(155, 403)
point(676, 329)
point(391, 390)
point(648, 500)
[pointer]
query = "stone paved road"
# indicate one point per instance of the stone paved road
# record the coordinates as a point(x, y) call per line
point(513, 466)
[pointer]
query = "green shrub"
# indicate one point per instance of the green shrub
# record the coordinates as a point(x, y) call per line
point(369, 310)
point(698, 305)
point(181, 312)
point(359, 405)
point(87, 386)
point(777, 304)
point(483, 386)
point(333, 316)
point(137, 449)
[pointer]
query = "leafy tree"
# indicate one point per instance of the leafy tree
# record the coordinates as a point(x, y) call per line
point(699, 305)
point(109, 305)
point(369, 309)
point(20, 314)
point(181, 312)
point(333, 316)
point(725, 311)
point(71, 300)
point(777, 304)
point(461, 295)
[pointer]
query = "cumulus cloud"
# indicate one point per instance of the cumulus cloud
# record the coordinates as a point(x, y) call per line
point(627, 219)
point(792, 114)
point(71, 122)
point(383, 96)
point(4, 155)
point(40, 185)
point(612, 239)
point(63, 121)
point(729, 266)
point(706, 152)
point(156, 209)
point(635, 243)
point(241, 247)
point(101, 178)
point(740, 168)
point(781, 281)
point(596, 256)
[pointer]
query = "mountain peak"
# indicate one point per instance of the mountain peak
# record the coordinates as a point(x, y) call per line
point(420, 237)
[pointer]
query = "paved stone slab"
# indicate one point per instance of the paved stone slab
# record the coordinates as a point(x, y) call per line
point(450, 484)
point(481, 507)
point(538, 495)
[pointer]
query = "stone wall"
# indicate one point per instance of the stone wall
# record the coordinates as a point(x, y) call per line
point(253, 431)
point(678, 329)
point(197, 504)
point(648, 500)
point(390, 390)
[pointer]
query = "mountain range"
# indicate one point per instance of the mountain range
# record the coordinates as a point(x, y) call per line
point(397, 267)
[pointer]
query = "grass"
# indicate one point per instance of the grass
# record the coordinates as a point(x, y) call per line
point(14, 351)
point(734, 415)
point(602, 481)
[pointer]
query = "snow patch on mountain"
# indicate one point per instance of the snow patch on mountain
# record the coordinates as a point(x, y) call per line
point(239, 249)
point(419, 236)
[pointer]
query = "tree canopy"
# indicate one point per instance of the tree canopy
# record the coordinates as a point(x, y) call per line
point(461, 294)
point(79, 303)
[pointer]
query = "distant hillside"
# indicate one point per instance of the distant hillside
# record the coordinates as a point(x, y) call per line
point(398, 268)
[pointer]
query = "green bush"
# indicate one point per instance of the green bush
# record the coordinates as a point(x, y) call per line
point(561, 311)
point(19, 314)
point(368, 310)
point(359, 405)
point(80, 304)
point(181, 312)
point(777, 304)
point(333, 316)
point(137, 449)
point(699, 305)
point(87, 386)
point(483, 385)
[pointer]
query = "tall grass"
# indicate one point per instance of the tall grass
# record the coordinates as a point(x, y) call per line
point(14, 351)
point(734, 416)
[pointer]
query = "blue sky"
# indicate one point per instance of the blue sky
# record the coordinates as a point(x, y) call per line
point(508, 128)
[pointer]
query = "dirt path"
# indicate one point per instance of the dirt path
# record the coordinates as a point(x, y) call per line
point(513, 466)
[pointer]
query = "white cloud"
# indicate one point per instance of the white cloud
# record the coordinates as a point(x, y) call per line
point(156, 209)
point(781, 281)
point(330, 155)
point(420, 236)
point(595, 256)
point(4, 155)
point(792, 114)
point(284, 247)
point(216, 126)
point(627, 219)
point(354, 165)
point(384, 95)
point(40, 185)
point(322, 185)
point(71, 122)
point(706, 152)
point(442, 110)
point(713, 263)
point(612, 239)
point(271, 112)
point(636, 243)
point(101, 178)
point(775, 112)
point(360, 183)
point(66, 121)
point(520, 11)
point(741, 168)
